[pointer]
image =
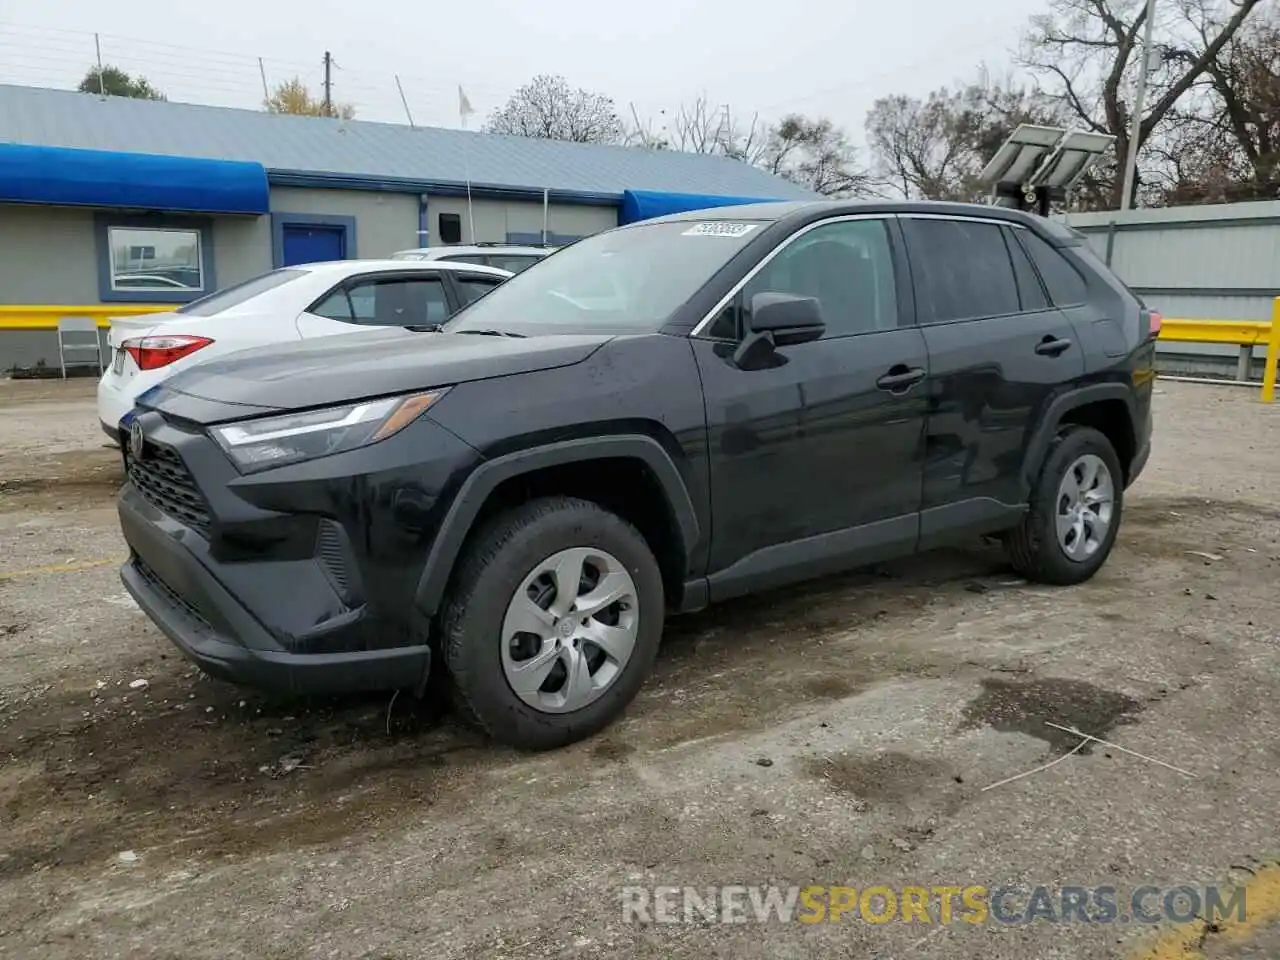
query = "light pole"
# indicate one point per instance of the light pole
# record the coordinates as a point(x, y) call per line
point(1135, 128)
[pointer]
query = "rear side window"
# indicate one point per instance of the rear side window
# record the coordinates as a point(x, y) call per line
point(476, 258)
point(389, 302)
point(962, 270)
point(1063, 281)
point(1030, 292)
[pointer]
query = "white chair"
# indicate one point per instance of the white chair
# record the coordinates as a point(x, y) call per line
point(77, 327)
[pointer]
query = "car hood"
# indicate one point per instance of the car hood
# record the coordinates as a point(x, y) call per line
point(339, 369)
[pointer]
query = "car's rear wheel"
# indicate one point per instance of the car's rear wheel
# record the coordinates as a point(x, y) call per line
point(1075, 511)
point(552, 623)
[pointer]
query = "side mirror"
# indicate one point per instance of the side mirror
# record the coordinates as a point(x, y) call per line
point(778, 320)
point(788, 319)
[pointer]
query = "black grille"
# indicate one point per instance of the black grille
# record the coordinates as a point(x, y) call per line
point(332, 555)
point(176, 600)
point(164, 481)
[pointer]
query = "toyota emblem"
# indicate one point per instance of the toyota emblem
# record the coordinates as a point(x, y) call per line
point(136, 440)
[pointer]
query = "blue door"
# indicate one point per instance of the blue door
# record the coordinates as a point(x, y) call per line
point(305, 243)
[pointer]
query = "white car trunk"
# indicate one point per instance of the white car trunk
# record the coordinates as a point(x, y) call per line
point(125, 328)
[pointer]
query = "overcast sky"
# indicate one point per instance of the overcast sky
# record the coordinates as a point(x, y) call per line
point(815, 56)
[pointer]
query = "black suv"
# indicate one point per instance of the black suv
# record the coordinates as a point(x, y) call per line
point(652, 419)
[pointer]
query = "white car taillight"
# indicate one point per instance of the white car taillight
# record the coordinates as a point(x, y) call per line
point(151, 353)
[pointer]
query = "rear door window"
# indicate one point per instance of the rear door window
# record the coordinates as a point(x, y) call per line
point(962, 270)
point(1030, 292)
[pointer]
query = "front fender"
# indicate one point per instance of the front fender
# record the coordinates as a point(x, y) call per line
point(471, 496)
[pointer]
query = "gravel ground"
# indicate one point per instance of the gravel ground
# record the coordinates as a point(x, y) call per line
point(838, 735)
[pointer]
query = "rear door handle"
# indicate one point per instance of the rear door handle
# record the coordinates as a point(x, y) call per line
point(1052, 346)
point(900, 377)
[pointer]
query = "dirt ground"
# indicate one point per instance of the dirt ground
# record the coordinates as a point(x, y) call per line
point(840, 734)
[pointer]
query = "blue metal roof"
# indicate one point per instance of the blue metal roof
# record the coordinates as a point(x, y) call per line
point(101, 178)
point(357, 153)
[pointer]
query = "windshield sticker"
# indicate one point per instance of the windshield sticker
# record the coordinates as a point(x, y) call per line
point(719, 229)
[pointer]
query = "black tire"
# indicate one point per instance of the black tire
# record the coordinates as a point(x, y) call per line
point(1033, 546)
point(497, 559)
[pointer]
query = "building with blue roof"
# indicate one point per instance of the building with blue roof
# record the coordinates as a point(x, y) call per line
point(99, 193)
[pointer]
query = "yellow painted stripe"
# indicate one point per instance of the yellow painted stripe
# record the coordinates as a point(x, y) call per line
point(71, 567)
point(1261, 908)
point(45, 317)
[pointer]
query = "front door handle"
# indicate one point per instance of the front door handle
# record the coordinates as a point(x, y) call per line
point(900, 377)
point(1052, 346)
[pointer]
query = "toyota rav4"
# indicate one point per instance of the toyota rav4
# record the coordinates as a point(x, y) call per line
point(521, 495)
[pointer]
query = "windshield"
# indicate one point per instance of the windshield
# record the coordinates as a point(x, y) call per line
point(233, 296)
point(631, 279)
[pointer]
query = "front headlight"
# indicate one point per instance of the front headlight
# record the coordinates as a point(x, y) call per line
point(274, 441)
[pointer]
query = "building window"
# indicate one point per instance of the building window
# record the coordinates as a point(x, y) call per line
point(150, 259)
point(450, 227)
point(153, 259)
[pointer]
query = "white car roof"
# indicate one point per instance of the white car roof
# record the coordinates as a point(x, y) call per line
point(340, 268)
point(453, 250)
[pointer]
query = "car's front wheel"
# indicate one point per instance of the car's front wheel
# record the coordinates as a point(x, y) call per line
point(1075, 510)
point(553, 622)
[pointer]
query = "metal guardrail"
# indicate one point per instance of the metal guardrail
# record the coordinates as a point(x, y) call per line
point(1245, 334)
point(46, 317)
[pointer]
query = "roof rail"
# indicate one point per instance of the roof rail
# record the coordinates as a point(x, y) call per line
point(504, 243)
point(1038, 166)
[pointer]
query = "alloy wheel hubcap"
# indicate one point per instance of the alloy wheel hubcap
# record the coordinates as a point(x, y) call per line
point(1086, 503)
point(570, 630)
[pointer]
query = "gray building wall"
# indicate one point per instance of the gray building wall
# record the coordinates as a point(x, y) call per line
point(494, 219)
point(241, 248)
point(1213, 262)
point(48, 254)
point(385, 222)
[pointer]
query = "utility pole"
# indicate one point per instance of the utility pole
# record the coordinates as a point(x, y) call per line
point(328, 84)
point(102, 81)
point(1135, 126)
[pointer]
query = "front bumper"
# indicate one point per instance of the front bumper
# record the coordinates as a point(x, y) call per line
point(217, 633)
point(299, 579)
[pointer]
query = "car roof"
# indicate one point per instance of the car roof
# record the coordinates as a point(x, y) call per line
point(375, 266)
point(804, 210)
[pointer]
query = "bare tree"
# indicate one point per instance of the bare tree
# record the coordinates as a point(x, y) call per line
point(700, 127)
point(812, 152)
point(548, 108)
point(1238, 137)
point(935, 147)
point(1087, 54)
point(817, 154)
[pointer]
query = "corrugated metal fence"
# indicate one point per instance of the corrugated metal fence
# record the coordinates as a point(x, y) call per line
point(1219, 262)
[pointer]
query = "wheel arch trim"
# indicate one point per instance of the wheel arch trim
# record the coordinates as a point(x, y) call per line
point(475, 490)
point(1038, 445)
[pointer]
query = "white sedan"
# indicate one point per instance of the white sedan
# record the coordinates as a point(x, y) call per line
point(291, 303)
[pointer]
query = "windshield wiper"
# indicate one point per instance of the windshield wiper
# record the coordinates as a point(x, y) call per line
point(491, 333)
point(425, 328)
